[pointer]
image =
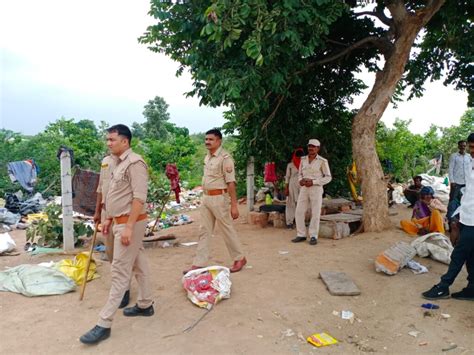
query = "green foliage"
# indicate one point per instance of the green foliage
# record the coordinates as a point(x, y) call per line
point(276, 65)
point(410, 153)
point(156, 115)
point(446, 51)
point(50, 231)
point(82, 136)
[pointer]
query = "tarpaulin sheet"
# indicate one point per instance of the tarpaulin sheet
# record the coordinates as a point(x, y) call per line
point(84, 187)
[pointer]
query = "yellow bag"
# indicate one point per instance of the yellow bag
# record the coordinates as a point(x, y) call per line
point(75, 268)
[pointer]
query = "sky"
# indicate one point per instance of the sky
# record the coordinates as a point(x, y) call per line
point(82, 60)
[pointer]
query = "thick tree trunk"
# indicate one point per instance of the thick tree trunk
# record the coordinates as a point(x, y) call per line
point(369, 170)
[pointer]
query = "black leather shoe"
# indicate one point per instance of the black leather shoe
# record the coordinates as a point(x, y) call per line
point(95, 335)
point(137, 311)
point(298, 239)
point(125, 299)
point(313, 241)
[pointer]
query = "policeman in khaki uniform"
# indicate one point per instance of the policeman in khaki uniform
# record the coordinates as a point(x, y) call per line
point(219, 203)
point(125, 206)
point(106, 168)
point(313, 174)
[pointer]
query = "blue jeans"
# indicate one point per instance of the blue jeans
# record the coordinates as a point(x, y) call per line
point(463, 253)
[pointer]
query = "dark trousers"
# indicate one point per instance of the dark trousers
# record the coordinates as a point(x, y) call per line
point(455, 191)
point(463, 253)
point(412, 196)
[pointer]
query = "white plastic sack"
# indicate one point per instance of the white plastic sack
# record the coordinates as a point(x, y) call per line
point(34, 280)
point(436, 245)
point(7, 244)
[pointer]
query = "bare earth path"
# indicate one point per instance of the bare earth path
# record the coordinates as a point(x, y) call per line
point(277, 293)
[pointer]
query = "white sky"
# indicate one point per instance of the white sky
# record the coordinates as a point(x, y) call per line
point(81, 59)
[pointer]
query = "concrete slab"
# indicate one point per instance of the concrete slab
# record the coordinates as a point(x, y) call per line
point(339, 283)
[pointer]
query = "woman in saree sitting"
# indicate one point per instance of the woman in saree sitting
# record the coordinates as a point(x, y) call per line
point(426, 216)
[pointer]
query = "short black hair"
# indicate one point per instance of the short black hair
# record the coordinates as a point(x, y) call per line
point(215, 132)
point(121, 130)
point(461, 142)
point(418, 177)
point(470, 139)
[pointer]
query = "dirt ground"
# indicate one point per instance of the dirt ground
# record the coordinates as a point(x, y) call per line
point(273, 294)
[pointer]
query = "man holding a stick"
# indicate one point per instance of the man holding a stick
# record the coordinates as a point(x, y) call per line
point(125, 206)
point(106, 168)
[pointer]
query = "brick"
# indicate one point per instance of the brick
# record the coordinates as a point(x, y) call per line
point(258, 218)
point(394, 258)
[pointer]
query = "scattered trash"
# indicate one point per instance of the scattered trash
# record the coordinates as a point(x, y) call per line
point(47, 264)
point(7, 244)
point(414, 333)
point(100, 248)
point(321, 339)
point(348, 315)
point(188, 244)
point(416, 267)
point(423, 343)
point(207, 286)
point(283, 252)
point(430, 306)
point(445, 315)
point(335, 313)
point(287, 333)
point(260, 336)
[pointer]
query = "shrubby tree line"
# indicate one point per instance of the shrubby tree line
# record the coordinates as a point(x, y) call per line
point(162, 142)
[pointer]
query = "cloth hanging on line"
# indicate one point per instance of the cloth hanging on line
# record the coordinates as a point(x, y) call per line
point(270, 172)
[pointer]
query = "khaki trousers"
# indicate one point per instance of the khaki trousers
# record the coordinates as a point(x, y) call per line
point(127, 259)
point(311, 197)
point(215, 210)
point(290, 210)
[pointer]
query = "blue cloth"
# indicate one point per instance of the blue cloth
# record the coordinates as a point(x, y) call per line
point(24, 172)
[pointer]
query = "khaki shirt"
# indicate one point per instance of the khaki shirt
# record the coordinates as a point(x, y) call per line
point(218, 170)
point(106, 168)
point(129, 181)
point(317, 170)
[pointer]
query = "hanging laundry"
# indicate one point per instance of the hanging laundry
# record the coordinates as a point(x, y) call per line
point(84, 187)
point(25, 172)
point(173, 175)
point(270, 172)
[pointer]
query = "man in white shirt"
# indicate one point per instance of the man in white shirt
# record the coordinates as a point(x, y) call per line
point(313, 174)
point(457, 163)
point(464, 250)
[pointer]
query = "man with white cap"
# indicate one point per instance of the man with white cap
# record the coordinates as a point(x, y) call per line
point(313, 174)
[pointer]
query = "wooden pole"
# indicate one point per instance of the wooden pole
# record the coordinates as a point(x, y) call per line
point(88, 265)
point(250, 183)
point(66, 194)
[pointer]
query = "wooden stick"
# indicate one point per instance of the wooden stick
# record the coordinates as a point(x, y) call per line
point(83, 286)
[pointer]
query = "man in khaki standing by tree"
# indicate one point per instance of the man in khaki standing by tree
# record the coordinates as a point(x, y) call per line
point(313, 174)
point(125, 205)
point(219, 203)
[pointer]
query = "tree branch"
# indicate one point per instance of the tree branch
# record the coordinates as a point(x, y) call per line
point(377, 41)
point(379, 14)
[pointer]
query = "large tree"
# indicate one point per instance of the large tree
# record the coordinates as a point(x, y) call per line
point(292, 62)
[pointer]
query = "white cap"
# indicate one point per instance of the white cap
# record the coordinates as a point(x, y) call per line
point(314, 142)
